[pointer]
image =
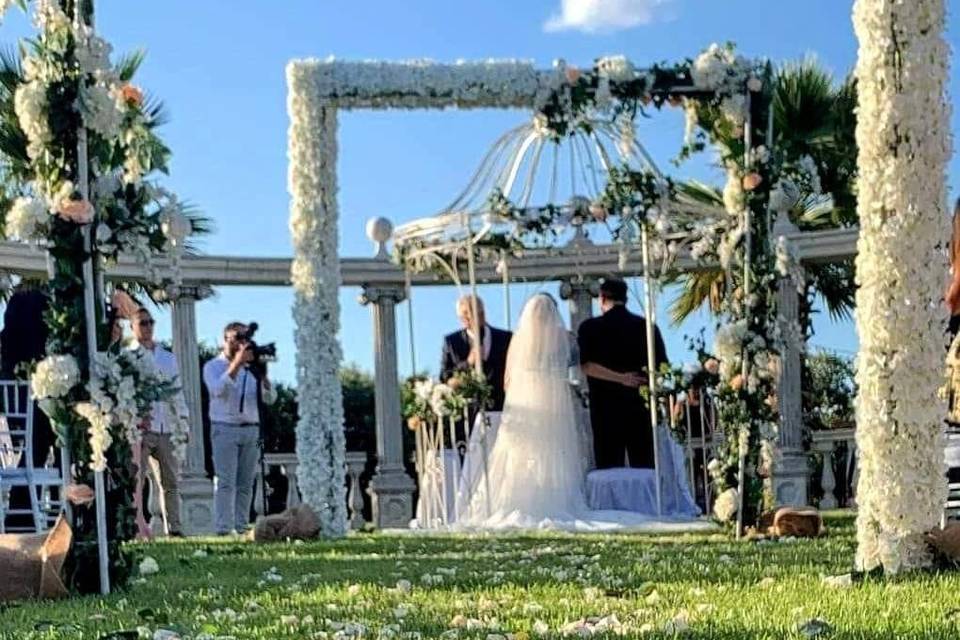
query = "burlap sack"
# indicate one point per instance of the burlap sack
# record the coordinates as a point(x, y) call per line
point(797, 522)
point(30, 563)
point(296, 523)
point(946, 541)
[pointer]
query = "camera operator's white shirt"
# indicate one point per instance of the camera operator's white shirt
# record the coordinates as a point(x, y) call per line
point(166, 364)
point(226, 393)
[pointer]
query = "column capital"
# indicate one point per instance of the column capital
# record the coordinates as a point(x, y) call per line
point(573, 286)
point(377, 293)
point(175, 292)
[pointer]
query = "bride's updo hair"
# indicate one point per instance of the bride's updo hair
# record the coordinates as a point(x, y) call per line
point(541, 340)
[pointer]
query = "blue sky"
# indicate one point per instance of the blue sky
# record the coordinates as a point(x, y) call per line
point(219, 67)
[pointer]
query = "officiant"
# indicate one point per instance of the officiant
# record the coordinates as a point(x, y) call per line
point(461, 350)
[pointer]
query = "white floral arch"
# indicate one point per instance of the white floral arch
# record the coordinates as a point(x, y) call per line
point(719, 82)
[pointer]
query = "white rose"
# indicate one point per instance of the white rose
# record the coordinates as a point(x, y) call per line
point(26, 218)
point(55, 376)
point(726, 505)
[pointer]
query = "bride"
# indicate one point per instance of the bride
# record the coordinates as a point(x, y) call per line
point(535, 474)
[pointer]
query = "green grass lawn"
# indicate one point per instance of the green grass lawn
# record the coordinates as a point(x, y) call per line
point(525, 587)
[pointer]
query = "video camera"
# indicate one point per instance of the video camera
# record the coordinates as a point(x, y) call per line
point(262, 353)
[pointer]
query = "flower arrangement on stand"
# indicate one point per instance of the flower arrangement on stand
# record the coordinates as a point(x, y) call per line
point(70, 114)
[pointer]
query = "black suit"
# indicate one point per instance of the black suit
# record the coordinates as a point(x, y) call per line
point(619, 416)
point(456, 350)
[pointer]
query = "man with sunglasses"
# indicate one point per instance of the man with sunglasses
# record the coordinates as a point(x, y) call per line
point(156, 441)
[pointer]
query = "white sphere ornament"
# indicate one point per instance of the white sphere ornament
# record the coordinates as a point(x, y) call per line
point(176, 227)
point(379, 231)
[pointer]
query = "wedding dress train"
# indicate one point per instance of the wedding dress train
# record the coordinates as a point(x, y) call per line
point(536, 465)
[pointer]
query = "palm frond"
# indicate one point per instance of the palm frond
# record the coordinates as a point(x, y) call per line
point(155, 111)
point(699, 192)
point(697, 288)
point(11, 71)
point(128, 65)
point(835, 285)
point(803, 100)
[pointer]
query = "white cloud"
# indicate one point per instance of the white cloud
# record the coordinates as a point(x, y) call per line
point(598, 16)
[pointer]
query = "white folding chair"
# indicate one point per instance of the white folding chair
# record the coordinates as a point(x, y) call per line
point(16, 460)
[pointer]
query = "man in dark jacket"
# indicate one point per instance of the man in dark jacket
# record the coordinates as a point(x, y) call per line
point(613, 355)
point(461, 350)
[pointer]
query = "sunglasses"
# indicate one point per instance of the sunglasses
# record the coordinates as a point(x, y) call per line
point(146, 323)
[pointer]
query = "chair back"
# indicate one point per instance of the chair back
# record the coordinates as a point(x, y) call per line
point(16, 424)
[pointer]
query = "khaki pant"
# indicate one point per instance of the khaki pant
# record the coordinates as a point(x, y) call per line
point(159, 447)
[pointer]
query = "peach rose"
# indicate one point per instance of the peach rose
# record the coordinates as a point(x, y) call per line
point(78, 211)
point(573, 74)
point(79, 494)
point(414, 423)
point(736, 383)
point(751, 181)
point(124, 304)
point(131, 94)
point(454, 383)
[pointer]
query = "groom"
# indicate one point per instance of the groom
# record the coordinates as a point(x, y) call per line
point(461, 350)
point(613, 356)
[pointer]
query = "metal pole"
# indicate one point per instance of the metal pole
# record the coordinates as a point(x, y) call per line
point(747, 262)
point(505, 274)
point(652, 363)
point(413, 347)
point(90, 325)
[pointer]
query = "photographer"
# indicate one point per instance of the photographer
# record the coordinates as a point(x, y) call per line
point(237, 381)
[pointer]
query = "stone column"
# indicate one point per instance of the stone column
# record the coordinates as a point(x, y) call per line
point(196, 489)
point(391, 488)
point(791, 465)
point(579, 294)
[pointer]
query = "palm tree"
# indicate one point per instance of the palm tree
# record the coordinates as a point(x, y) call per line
point(812, 116)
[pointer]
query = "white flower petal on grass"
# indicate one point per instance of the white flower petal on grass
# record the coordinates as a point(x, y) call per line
point(149, 566)
point(540, 628)
point(839, 582)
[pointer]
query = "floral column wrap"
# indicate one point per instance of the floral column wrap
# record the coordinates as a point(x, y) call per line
point(903, 139)
point(316, 282)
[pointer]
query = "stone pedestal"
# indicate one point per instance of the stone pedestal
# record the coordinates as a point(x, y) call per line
point(791, 468)
point(391, 489)
point(196, 489)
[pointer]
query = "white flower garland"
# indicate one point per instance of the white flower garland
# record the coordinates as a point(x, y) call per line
point(417, 84)
point(903, 141)
point(315, 275)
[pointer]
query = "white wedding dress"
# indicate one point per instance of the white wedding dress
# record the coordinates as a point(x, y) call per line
point(536, 466)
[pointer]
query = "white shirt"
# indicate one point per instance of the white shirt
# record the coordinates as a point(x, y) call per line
point(487, 341)
point(166, 363)
point(226, 393)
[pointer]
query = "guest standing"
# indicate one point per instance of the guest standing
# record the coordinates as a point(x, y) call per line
point(235, 427)
point(157, 430)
